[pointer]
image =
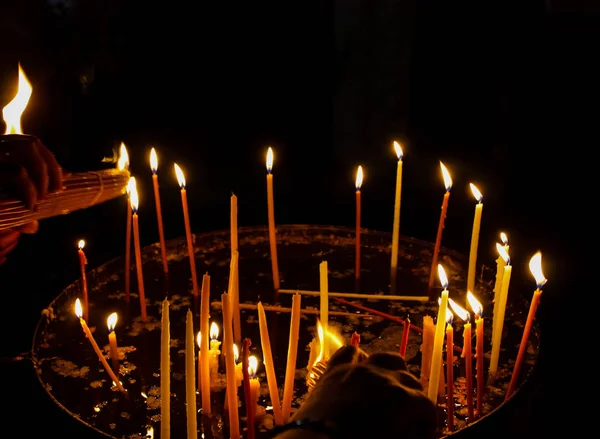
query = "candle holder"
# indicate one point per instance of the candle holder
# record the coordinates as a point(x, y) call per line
point(70, 372)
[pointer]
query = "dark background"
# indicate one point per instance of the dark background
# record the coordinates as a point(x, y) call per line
point(498, 91)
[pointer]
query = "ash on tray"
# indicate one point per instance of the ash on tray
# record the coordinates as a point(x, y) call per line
point(69, 369)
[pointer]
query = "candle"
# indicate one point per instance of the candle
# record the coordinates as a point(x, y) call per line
point(466, 353)
point(205, 355)
point(405, 332)
point(165, 373)
point(190, 376)
point(269, 366)
point(239, 376)
point(438, 239)
point(130, 183)
point(88, 334)
point(535, 266)
point(426, 349)
point(111, 322)
point(199, 343)
point(324, 305)
point(498, 321)
point(235, 298)
point(84, 287)
point(290, 369)
point(188, 230)
point(474, 238)
point(235, 292)
point(478, 310)
point(133, 198)
point(254, 383)
point(250, 402)
point(214, 353)
point(500, 263)
point(271, 213)
point(396, 227)
point(232, 399)
point(450, 369)
point(438, 341)
point(355, 341)
point(161, 233)
point(358, 185)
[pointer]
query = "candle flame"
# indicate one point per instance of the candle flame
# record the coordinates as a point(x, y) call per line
point(443, 277)
point(15, 108)
point(111, 321)
point(180, 176)
point(503, 238)
point(131, 183)
point(359, 178)
point(447, 177)
point(476, 192)
point(150, 432)
point(214, 331)
point(321, 339)
point(133, 196)
point(269, 160)
point(199, 340)
point(78, 308)
point(475, 304)
point(252, 366)
point(535, 266)
point(153, 160)
point(335, 339)
point(144, 395)
point(123, 162)
point(449, 314)
point(503, 253)
point(462, 313)
point(398, 150)
point(236, 353)
point(81, 244)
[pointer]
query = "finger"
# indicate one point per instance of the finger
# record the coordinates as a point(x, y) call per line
point(8, 237)
point(15, 181)
point(30, 228)
point(54, 171)
point(7, 250)
point(387, 360)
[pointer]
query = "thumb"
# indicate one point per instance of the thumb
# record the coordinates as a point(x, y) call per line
point(30, 228)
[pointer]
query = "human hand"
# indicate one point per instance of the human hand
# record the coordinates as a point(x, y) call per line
point(361, 397)
point(10, 238)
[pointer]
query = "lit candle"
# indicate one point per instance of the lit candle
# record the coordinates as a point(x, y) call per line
point(235, 298)
point(111, 322)
point(238, 366)
point(396, 227)
point(438, 341)
point(438, 239)
point(271, 213)
point(235, 292)
point(250, 402)
point(358, 184)
point(269, 365)
point(133, 198)
point(466, 353)
point(474, 238)
point(130, 183)
point(450, 369)
point(355, 341)
point(426, 350)
point(324, 306)
point(190, 376)
point(188, 230)
point(290, 369)
point(500, 263)
point(535, 266)
point(84, 286)
point(199, 342)
point(405, 333)
point(478, 311)
point(232, 399)
point(498, 321)
point(254, 383)
point(205, 354)
point(214, 353)
point(88, 334)
point(161, 233)
point(165, 373)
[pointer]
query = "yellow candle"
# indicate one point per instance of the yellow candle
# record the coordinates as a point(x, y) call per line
point(290, 370)
point(254, 383)
point(161, 233)
point(479, 322)
point(188, 229)
point(426, 350)
point(112, 342)
point(269, 366)
point(500, 263)
point(234, 298)
point(214, 353)
point(190, 376)
point(271, 212)
point(324, 306)
point(232, 399)
point(474, 239)
point(165, 373)
point(235, 292)
point(498, 321)
point(133, 197)
point(396, 227)
point(204, 349)
point(130, 183)
point(358, 183)
point(438, 341)
point(238, 366)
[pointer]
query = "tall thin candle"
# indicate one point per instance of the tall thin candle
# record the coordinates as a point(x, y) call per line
point(474, 238)
point(450, 370)
point(358, 184)
point(199, 372)
point(165, 373)
point(248, 391)
point(498, 322)
point(478, 310)
point(324, 305)
point(190, 377)
point(438, 341)
point(235, 292)
point(161, 233)
point(405, 333)
point(466, 354)
point(84, 286)
point(290, 369)
point(269, 365)
point(133, 197)
point(232, 398)
point(204, 350)
point(271, 213)
point(130, 184)
point(235, 298)
point(500, 263)
point(396, 226)
point(113, 349)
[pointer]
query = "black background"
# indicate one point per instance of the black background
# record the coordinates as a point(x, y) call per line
point(499, 92)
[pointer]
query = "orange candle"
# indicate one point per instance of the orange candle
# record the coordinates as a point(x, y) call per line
point(358, 184)
point(438, 239)
point(269, 365)
point(290, 369)
point(84, 287)
point(271, 212)
point(231, 390)
point(188, 230)
point(204, 381)
point(161, 233)
point(466, 354)
point(450, 370)
point(477, 310)
point(88, 334)
point(133, 197)
point(199, 373)
point(405, 332)
point(130, 184)
point(235, 291)
point(535, 266)
point(235, 299)
point(112, 342)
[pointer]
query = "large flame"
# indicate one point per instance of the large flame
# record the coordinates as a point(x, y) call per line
point(81, 244)
point(214, 331)
point(15, 108)
point(476, 192)
point(199, 340)
point(321, 339)
point(123, 162)
point(252, 366)
point(475, 304)
point(503, 253)
point(447, 177)
point(180, 176)
point(78, 308)
point(398, 150)
point(359, 178)
point(153, 160)
point(462, 313)
point(442, 276)
point(133, 196)
point(111, 321)
point(535, 266)
point(269, 160)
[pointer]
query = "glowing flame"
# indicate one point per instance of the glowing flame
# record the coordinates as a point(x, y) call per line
point(180, 176)
point(144, 395)
point(133, 196)
point(462, 313)
point(78, 308)
point(214, 331)
point(150, 432)
point(199, 340)
point(236, 353)
point(269, 160)
point(359, 178)
point(130, 184)
point(81, 244)
point(335, 339)
point(123, 162)
point(475, 304)
point(476, 192)
point(535, 266)
point(503, 253)
point(252, 366)
point(449, 314)
point(442, 276)
point(398, 150)
point(321, 342)
point(447, 177)
point(153, 160)
point(503, 238)
point(14, 109)
point(111, 321)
